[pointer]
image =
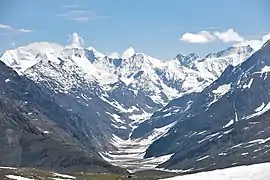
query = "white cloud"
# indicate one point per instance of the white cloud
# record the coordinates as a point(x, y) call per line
point(5, 26)
point(81, 18)
point(229, 36)
point(201, 38)
point(208, 35)
point(74, 13)
point(85, 18)
point(70, 6)
point(256, 44)
point(26, 30)
point(8, 27)
point(77, 41)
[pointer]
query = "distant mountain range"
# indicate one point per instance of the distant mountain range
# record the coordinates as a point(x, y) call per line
point(190, 109)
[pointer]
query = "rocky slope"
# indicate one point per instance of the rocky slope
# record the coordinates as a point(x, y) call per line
point(37, 132)
point(212, 66)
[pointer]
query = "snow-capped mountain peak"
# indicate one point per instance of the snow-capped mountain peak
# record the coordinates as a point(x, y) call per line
point(231, 51)
point(96, 53)
point(24, 57)
point(215, 63)
point(167, 79)
point(188, 59)
point(128, 53)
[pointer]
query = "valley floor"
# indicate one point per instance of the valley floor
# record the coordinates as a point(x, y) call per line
point(130, 152)
point(10, 173)
point(130, 155)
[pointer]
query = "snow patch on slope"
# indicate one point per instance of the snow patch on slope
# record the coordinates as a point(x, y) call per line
point(15, 177)
point(251, 172)
point(10, 168)
point(258, 113)
point(64, 176)
point(265, 69)
point(221, 90)
point(248, 85)
point(258, 109)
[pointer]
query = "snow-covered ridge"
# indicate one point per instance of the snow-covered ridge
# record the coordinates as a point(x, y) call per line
point(140, 75)
point(161, 80)
point(25, 56)
point(215, 63)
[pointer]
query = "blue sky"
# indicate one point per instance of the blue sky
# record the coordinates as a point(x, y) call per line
point(159, 28)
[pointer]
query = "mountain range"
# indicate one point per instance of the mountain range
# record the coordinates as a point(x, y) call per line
point(138, 112)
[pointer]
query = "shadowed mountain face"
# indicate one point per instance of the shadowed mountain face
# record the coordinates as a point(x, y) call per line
point(37, 132)
point(226, 124)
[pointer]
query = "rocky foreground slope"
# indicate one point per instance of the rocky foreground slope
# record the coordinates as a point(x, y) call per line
point(37, 132)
